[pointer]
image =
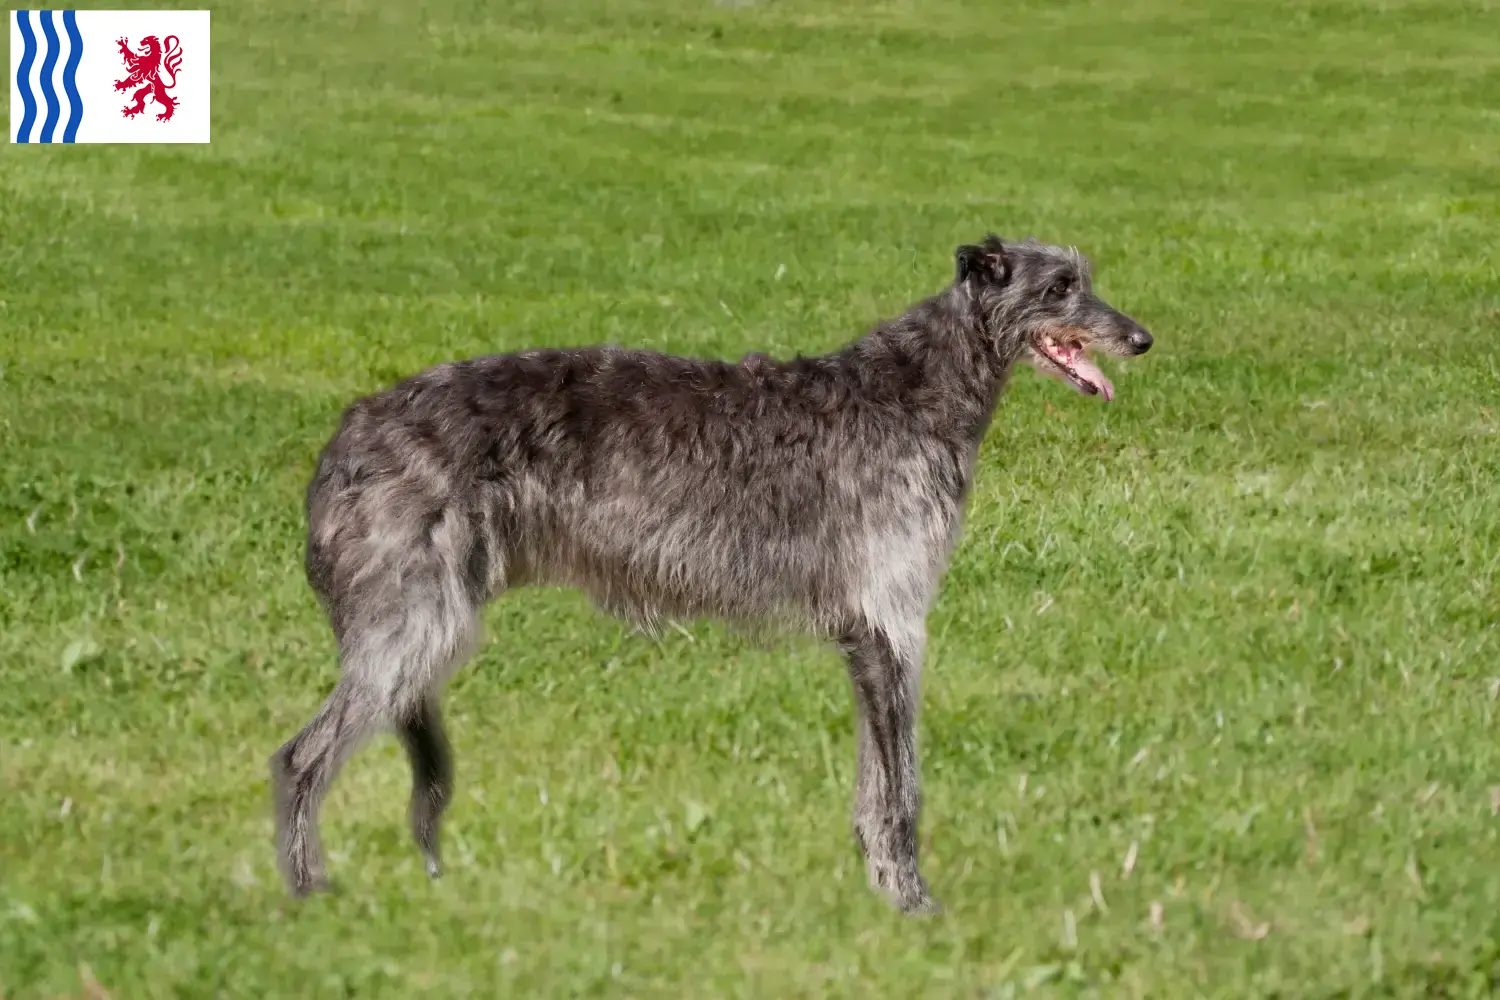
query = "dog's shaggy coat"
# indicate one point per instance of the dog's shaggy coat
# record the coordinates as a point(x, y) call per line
point(823, 492)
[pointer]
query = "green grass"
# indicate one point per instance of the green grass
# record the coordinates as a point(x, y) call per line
point(1241, 622)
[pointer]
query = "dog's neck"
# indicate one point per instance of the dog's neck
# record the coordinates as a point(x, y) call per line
point(943, 360)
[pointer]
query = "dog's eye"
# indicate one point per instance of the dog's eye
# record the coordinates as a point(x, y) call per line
point(1060, 289)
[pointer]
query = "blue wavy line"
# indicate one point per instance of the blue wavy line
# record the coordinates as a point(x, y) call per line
point(23, 76)
point(70, 76)
point(49, 93)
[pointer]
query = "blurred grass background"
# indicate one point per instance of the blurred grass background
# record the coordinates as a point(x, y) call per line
point(1238, 627)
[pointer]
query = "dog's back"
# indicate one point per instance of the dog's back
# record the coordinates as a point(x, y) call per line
point(660, 485)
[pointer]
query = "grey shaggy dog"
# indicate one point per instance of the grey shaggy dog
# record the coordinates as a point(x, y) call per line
point(824, 493)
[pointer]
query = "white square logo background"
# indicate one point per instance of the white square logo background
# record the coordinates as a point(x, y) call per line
point(100, 64)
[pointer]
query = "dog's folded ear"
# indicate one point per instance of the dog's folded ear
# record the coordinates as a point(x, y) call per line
point(988, 262)
point(967, 259)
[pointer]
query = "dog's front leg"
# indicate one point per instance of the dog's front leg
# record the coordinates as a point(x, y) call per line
point(885, 668)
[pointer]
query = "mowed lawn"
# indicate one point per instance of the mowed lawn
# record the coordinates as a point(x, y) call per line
point(1211, 701)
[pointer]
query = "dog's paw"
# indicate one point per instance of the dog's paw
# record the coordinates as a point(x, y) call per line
point(919, 905)
point(309, 885)
point(904, 887)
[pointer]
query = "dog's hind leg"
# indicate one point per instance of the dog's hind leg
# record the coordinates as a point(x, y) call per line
point(404, 627)
point(421, 732)
point(884, 667)
point(302, 770)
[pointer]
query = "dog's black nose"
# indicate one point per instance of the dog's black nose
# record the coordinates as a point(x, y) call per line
point(1140, 340)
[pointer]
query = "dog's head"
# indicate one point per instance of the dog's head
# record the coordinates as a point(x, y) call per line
point(1040, 298)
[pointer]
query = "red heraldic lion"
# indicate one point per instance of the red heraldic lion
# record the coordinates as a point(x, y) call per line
point(153, 70)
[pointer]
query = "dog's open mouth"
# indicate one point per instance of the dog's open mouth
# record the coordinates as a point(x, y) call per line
point(1069, 360)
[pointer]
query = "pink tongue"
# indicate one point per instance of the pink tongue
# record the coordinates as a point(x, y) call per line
point(1090, 373)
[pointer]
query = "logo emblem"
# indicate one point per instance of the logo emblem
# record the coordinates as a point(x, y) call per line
point(147, 68)
point(69, 70)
